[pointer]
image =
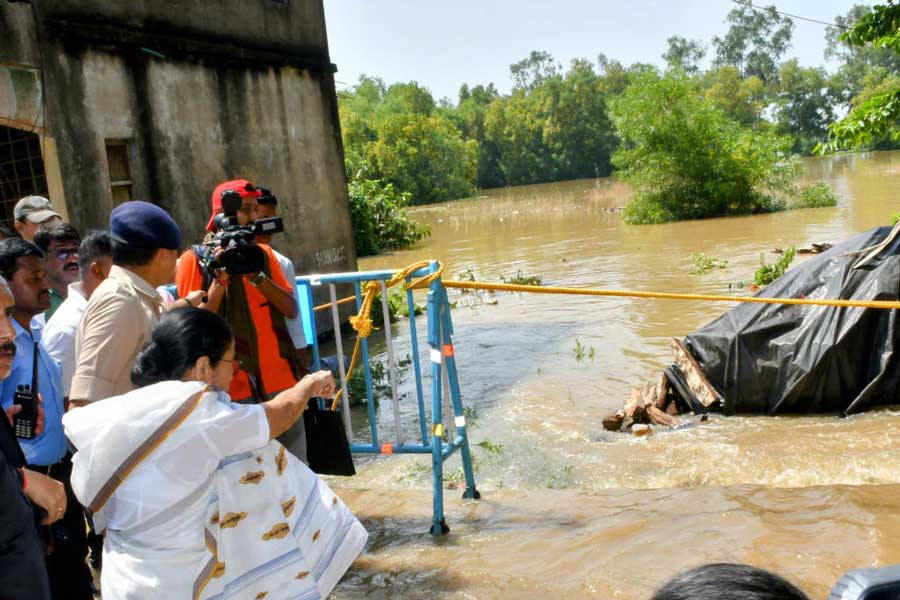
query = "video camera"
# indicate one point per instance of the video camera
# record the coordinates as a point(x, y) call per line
point(241, 255)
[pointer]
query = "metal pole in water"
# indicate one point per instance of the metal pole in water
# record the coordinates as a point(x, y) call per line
point(449, 356)
point(438, 523)
point(414, 349)
point(345, 408)
point(392, 365)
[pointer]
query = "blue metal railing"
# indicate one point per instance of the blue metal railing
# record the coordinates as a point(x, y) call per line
point(436, 440)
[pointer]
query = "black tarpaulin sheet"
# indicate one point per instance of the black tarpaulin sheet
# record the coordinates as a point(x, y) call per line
point(774, 359)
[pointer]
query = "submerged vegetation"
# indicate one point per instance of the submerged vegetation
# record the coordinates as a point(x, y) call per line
point(817, 195)
point(767, 273)
point(521, 278)
point(685, 159)
point(377, 210)
point(704, 263)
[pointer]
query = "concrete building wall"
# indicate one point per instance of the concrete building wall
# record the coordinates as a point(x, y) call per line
point(18, 35)
point(200, 91)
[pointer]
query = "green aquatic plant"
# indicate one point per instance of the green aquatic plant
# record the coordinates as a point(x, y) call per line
point(521, 278)
point(767, 273)
point(471, 415)
point(381, 386)
point(492, 449)
point(561, 479)
point(583, 352)
point(704, 263)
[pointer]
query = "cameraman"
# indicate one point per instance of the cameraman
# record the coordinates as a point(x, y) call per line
point(255, 305)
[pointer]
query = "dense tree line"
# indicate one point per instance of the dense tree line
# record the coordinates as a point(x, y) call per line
point(581, 121)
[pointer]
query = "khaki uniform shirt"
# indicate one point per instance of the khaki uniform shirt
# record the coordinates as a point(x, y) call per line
point(117, 323)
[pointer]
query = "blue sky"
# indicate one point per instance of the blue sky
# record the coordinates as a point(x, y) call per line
point(444, 44)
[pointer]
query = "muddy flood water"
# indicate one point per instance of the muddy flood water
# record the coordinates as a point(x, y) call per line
point(571, 511)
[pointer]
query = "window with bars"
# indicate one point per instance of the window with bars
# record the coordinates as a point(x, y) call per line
point(120, 182)
point(21, 169)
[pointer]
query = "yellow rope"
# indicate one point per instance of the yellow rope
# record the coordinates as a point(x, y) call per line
point(538, 289)
point(327, 305)
point(362, 321)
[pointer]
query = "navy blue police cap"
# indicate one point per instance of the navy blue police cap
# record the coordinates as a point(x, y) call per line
point(144, 225)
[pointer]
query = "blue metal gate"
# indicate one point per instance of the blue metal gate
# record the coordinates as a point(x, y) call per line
point(437, 438)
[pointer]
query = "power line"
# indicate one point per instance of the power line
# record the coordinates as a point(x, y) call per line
point(786, 14)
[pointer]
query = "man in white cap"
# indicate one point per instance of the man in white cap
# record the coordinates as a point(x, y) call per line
point(30, 213)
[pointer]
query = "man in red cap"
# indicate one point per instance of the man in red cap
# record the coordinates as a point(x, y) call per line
point(255, 305)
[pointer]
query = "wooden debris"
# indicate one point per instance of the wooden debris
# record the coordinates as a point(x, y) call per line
point(693, 375)
point(614, 421)
point(659, 417)
point(661, 393)
point(813, 249)
point(647, 404)
point(658, 402)
point(634, 409)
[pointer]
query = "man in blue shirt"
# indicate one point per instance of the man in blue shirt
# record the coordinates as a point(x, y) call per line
point(22, 264)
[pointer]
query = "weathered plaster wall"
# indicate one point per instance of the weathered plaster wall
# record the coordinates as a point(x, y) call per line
point(197, 113)
point(288, 26)
point(18, 39)
point(20, 86)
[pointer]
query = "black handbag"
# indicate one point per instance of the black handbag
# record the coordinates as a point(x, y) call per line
point(327, 448)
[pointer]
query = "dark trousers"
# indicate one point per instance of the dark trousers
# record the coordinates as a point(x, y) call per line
point(66, 542)
point(23, 571)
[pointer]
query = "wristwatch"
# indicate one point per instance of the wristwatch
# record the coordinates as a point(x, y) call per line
point(257, 279)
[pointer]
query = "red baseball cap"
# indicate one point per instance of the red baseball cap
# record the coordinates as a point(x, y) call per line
point(245, 188)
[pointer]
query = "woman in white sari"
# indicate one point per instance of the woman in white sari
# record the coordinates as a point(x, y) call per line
point(197, 498)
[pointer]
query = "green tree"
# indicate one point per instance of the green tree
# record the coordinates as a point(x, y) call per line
point(876, 115)
point(512, 124)
point(615, 75)
point(577, 130)
point(532, 71)
point(469, 117)
point(407, 98)
point(556, 130)
point(685, 159)
point(424, 156)
point(356, 109)
point(858, 63)
point(803, 105)
point(741, 99)
point(684, 54)
point(755, 42)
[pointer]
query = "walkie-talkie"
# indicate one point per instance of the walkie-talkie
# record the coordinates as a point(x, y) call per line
point(25, 421)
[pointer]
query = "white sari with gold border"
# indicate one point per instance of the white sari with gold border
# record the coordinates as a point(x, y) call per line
point(198, 503)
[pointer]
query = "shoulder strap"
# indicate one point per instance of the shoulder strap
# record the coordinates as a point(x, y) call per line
point(203, 255)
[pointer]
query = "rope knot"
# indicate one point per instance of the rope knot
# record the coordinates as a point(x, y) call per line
point(362, 324)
